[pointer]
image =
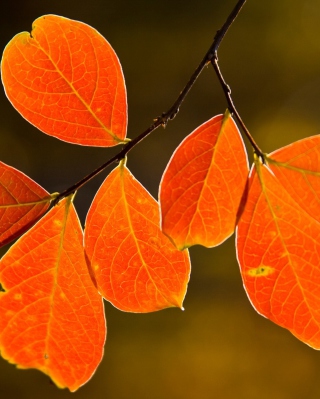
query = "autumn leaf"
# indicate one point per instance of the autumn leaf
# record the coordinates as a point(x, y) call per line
point(278, 239)
point(52, 316)
point(66, 80)
point(135, 265)
point(22, 203)
point(202, 186)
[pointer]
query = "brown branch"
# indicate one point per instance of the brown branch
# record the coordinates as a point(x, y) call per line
point(227, 92)
point(211, 56)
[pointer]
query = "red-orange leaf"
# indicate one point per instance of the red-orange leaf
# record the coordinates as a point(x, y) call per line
point(201, 188)
point(136, 266)
point(278, 239)
point(22, 202)
point(52, 316)
point(66, 79)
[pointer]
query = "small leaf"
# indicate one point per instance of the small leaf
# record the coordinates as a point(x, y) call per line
point(278, 239)
point(66, 80)
point(52, 316)
point(22, 203)
point(135, 265)
point(202, 186)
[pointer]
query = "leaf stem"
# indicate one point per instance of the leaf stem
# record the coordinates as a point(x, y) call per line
point(227, 92)
point(165, 117)
point(225, 87)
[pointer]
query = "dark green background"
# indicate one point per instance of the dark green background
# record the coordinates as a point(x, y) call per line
point(219, 347)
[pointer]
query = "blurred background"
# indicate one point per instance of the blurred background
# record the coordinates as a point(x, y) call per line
point(219, 347)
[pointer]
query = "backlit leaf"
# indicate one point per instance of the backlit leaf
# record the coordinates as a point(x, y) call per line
point(22, 202)
point(278, 239)
point(52, 316)
point(201, 188)
point(135, 265)
point(66, 80)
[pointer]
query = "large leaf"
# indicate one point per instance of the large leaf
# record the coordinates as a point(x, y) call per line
point(22, 202)
point(278, 239)
point(66, 79)
point(135, 265)
point(202, 186)
point(52, 316)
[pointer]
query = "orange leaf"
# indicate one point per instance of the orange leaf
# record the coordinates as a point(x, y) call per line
point(22, 202)
point(51, 314)
point(201, 188)
point(135, 265)
point(66, 80)
point(278, 239)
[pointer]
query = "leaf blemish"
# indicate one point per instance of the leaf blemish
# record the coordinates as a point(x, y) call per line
point(58, 222)
point(154, 242)
point(96, 267)
point(261, 271)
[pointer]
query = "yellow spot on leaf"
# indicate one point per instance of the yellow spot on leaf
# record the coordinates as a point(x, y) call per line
point(9, 314)
point(272, 234)
point(62, 295)
point(96, 267)
point(261, 271)
point(141, 200)
point(17, 297)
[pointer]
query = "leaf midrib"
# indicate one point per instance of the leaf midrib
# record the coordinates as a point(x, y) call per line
point(74, 91)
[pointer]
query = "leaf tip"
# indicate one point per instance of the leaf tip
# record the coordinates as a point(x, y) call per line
point(177, 302)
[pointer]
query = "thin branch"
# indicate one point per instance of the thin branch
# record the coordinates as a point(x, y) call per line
point(162, 120)
point(227, 92)
point(225, 87)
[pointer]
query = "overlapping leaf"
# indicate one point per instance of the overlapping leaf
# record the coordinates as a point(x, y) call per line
point(52, 316)
point(278, 239)
point(22, 202)
point(201, 189)
point(135, 265)
point(66, 79)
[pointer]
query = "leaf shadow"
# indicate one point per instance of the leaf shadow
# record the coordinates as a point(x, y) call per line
point(242, 203)
point(90, 270)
